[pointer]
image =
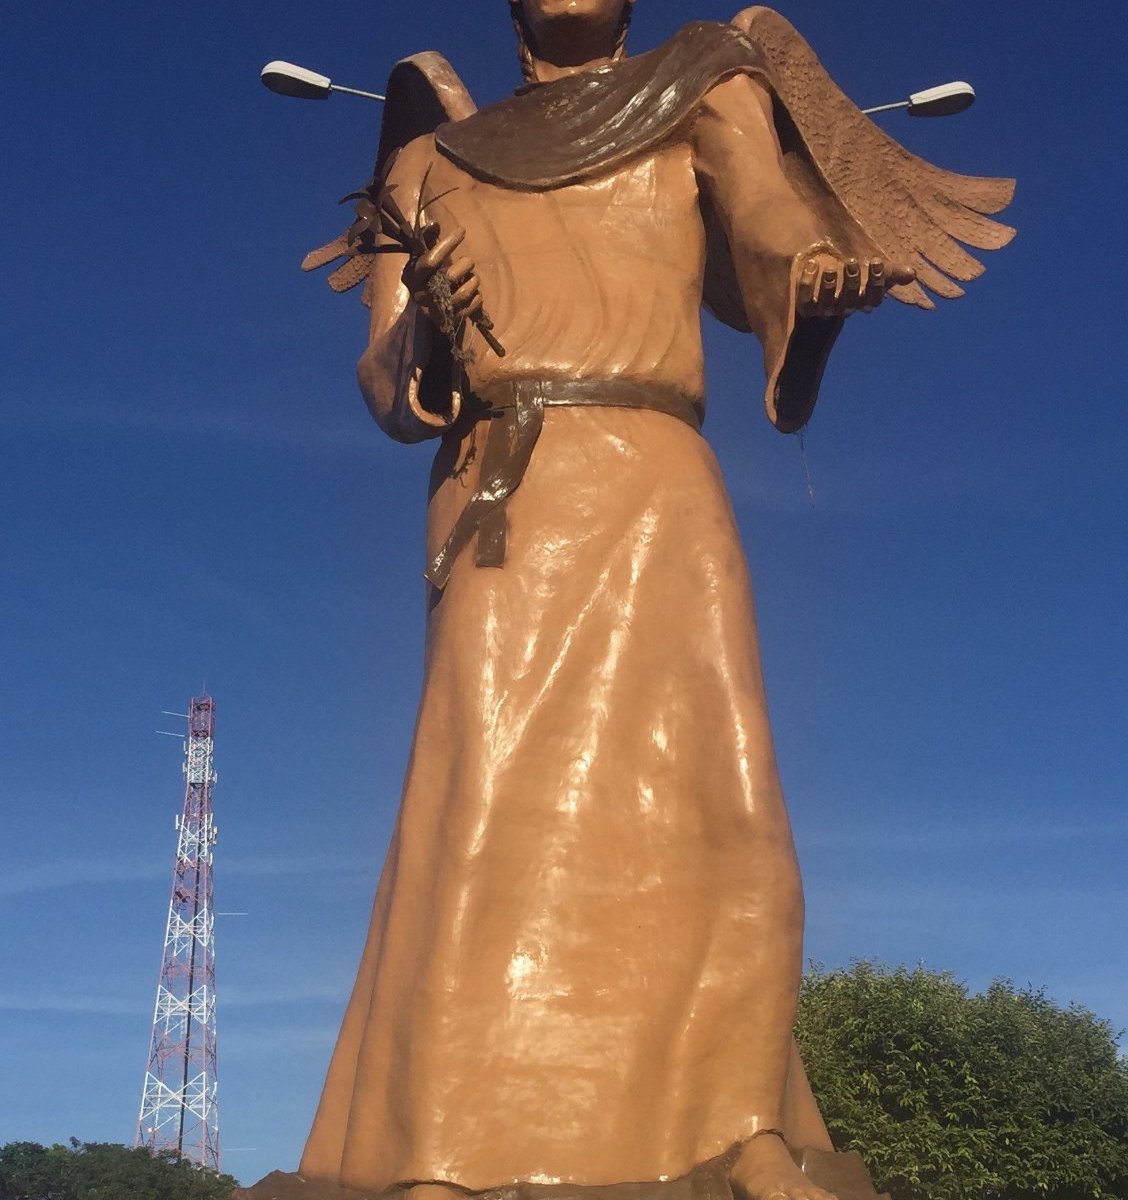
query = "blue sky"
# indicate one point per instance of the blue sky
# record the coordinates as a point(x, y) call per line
point(194, 495)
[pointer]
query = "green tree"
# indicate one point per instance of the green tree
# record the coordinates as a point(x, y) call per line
point(951, 1096)
point(103, 1171)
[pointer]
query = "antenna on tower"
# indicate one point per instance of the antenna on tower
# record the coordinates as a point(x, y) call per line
point(179, 1109)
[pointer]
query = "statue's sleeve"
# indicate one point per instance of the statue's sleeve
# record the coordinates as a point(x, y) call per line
point(768, 230)
point(406, 372)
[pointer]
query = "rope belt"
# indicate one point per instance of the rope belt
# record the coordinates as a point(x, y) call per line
point(515, 410)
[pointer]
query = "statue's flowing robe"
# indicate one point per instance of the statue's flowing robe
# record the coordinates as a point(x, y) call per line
point(561, 951)
point(565, 958)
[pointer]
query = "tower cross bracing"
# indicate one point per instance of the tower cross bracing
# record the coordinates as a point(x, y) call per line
point(179, 1100)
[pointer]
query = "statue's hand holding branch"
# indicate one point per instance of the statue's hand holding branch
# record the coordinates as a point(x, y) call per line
point(445, 288)
point(830, 285)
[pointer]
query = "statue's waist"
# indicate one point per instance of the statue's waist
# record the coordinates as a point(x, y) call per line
point(515, 410)
point(514, 395)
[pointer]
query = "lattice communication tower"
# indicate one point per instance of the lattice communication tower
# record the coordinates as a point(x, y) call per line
point(179, 1105)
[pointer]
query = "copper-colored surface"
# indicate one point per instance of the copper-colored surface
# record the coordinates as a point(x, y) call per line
point(706, 1182)
point(285, 1185)
point(869, 189)
point(590, 913)
point(590, 123)
point(843, 1174)
point(513, 414)
point(584, 955)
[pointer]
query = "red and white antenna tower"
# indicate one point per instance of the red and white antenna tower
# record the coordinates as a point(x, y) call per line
point(179, 1109)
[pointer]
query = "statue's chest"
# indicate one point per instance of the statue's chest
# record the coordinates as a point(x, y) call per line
point(646, 209)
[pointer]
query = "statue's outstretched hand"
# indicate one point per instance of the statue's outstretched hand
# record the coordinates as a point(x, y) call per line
point(832, 286)
point(445, 288)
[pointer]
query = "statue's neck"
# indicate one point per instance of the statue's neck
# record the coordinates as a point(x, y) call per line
point(546, 71)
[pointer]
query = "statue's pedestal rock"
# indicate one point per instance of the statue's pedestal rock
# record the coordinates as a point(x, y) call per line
point(282, 1185)
point(844, 1175)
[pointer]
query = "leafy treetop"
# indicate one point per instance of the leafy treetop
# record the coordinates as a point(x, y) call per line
point(951, 1096)
point(104, 1171)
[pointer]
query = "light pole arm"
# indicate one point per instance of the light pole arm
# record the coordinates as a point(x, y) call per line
point(336, 87)
point(885, 107)
point(288, 79)
point(943, 101)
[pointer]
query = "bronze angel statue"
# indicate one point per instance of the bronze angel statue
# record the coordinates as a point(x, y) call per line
point(584, 956)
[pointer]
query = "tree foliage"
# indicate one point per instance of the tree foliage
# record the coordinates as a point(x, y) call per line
point(951, 1096)
point(103, 1171)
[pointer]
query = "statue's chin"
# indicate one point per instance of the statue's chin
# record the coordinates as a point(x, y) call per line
point(573, 41)
point(571, 32)
point(607, 11)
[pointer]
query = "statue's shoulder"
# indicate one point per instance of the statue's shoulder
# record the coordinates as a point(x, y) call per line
point(589, 124)
point(411, 160)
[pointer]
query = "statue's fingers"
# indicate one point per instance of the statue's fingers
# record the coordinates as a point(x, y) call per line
point(900, 275)
point(829, 283)
point(805, 292)
point(851, 285)
point(441, 251)
point(459, 270)
point(460, 298)
point(877, 283)
point(415, 275)
point(474, 309)
point(419, 271)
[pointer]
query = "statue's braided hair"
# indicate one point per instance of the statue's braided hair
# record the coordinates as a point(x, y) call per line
point(525, 54)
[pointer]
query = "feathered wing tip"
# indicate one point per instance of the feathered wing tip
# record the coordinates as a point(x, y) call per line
point(911, 211)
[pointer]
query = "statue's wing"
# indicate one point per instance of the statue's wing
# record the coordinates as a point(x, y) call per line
point(875, 195)
point(423, 92)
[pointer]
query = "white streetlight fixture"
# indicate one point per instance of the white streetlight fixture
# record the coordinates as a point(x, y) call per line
point(943, 101)
point(288, 79)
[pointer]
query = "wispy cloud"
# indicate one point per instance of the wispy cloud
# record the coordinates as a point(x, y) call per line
point(179, 420)
point(75, 872)
point(304, 864)
point(57, 1001)
point(80, 872)
point(277, 1043)
point(956, 837)
point(899, 902)
point(260, 997)
point(109, 1004)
